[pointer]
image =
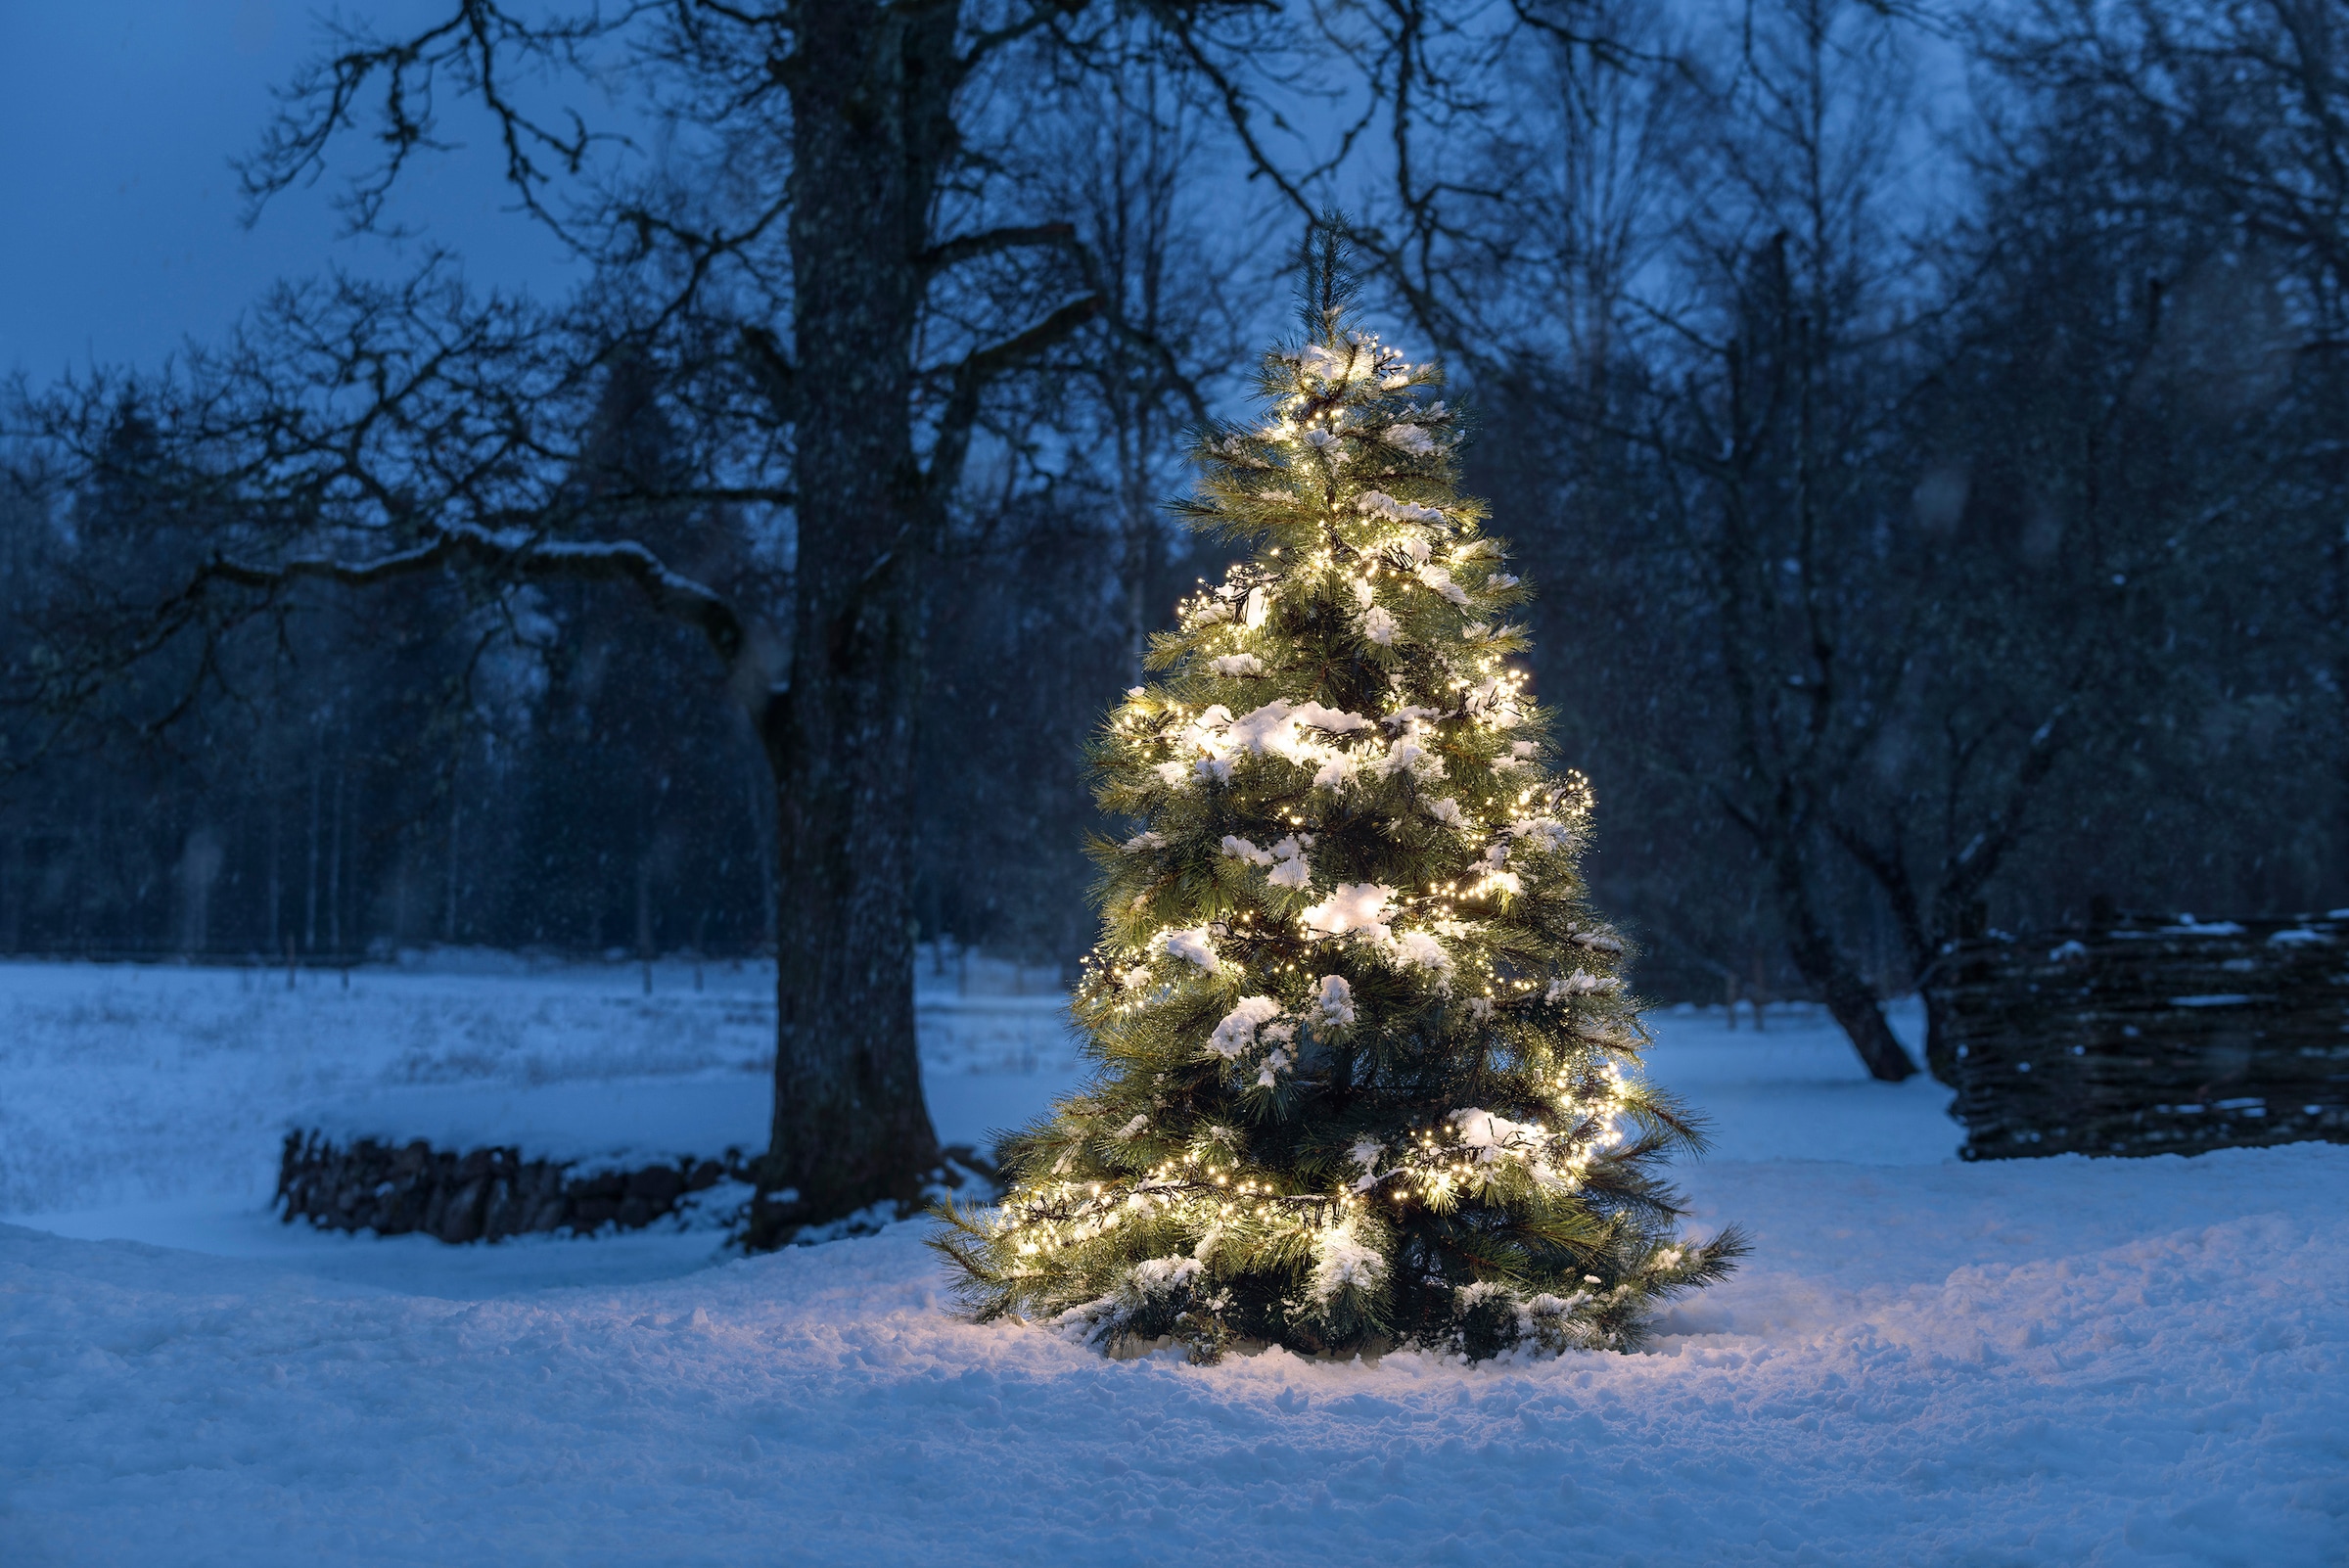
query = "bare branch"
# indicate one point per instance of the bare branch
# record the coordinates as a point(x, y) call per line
point(967, 247)
point(971, 377)
point(471, 47)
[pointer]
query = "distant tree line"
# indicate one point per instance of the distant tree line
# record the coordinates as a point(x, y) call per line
point(1943, 511)
point(421, 766)
point(1928, 441)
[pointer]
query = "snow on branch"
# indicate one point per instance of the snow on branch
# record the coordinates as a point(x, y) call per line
point(519, 555)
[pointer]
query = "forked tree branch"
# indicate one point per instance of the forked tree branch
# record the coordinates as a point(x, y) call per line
point(971, 377)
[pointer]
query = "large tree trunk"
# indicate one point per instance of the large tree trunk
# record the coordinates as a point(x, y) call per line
point(849, 1124)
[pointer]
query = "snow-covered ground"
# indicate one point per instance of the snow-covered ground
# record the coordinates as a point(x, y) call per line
point(2044, 1361)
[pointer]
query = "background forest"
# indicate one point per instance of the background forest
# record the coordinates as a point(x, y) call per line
point(1926, 437)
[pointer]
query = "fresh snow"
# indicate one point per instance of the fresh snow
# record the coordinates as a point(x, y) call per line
point(124, 1083)
point(2034, 1361)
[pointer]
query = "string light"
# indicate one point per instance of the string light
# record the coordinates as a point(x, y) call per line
point(1494, 883)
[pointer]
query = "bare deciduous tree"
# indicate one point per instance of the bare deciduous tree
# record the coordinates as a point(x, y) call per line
point(838, 260)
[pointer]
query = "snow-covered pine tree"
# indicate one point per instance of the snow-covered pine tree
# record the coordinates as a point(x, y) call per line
point(1366, 1059)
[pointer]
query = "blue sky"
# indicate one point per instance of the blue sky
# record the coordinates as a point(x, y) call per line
point(119, 233)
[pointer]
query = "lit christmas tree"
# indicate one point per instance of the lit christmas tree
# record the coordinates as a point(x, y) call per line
point(1366, 1058)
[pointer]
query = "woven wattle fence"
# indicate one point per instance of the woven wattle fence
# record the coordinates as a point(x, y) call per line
point(2151, 1039)
point(477, 1194)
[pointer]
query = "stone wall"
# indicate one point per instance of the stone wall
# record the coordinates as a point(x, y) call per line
point(478, 1195)
point(2151, 1037)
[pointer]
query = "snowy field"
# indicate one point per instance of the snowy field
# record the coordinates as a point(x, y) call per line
point(2044, 1361)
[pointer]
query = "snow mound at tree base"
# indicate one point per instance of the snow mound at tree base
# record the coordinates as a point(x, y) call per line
point(2053, 1361)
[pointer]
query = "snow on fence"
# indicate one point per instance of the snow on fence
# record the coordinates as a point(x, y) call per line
point(2149, 1038)
point(478, 1195)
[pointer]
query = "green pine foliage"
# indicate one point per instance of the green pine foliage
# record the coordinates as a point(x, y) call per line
point(1367, 1065)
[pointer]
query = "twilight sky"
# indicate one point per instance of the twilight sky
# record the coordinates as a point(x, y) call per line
point(118, 212)
point(119, 232)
